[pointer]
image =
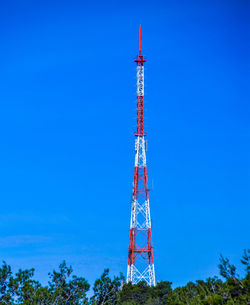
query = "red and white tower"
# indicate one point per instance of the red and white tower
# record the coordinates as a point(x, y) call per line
point(140, 251)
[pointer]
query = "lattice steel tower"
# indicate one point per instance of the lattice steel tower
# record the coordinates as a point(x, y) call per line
point(140, 252)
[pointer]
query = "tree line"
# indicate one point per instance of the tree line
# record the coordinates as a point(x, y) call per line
point(65, 288)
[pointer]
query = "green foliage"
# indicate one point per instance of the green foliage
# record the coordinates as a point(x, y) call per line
point(106, 290)
point(64, 288)
point(226, 269)
point(6, 284)
point(137, 294)
point(246, 260)
point(67, 289)
point(143, 294)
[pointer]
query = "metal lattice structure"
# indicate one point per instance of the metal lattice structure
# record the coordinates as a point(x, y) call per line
point(140, 252)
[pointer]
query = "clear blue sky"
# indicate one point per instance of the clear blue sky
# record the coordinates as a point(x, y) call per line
point(68, 100)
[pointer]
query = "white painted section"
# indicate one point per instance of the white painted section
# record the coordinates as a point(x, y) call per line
point(133, 221)
point(140, 80)
point(140, 152)
point(135, 276)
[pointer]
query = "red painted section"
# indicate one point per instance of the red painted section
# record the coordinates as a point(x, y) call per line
point(140, 40)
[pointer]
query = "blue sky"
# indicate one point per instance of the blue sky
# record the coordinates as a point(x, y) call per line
point(68, 101)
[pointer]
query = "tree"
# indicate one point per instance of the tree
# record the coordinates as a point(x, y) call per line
point(226, 269)
point(25, 287)
point(246, 260)
point(106, 290)
point(6, 284)
point(67, 289)
point(137, 294)
point(63, 289)
point(160, 293)
point(234, 288)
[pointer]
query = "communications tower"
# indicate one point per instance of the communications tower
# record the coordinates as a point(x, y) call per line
point(140, 251)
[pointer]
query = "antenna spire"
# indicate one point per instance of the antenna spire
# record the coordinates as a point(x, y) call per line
point(140, 40)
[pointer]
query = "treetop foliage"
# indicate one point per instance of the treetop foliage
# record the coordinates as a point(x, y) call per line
point(64, 288)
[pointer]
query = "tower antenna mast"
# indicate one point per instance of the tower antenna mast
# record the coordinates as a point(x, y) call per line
point(140, 251)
